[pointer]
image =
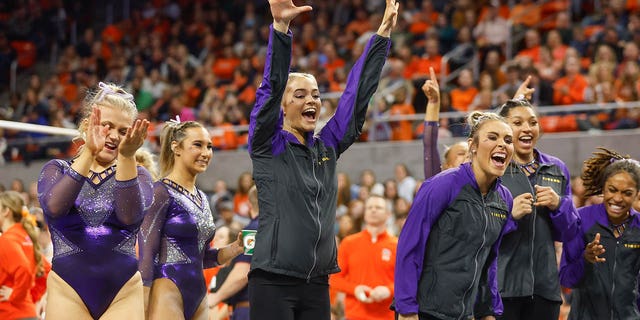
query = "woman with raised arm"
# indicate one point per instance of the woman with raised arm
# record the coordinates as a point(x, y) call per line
point(447, 250)
point(454, 155)
point(527, 265)
point(176, 233)
point(602, 262)
point(94, 205)
point(295, 171)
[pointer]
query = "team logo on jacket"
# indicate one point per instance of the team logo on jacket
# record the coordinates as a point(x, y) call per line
point(632, 245)
point(552, 180)
point(386, 254)
point(499, 215)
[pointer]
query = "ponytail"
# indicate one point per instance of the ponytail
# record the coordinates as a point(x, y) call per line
point(20, 214)
point(604, 164)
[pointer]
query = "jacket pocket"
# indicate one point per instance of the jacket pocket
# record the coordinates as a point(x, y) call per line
point(274, 240)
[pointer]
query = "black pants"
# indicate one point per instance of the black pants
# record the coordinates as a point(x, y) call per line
point(530, 308)
point(278, 297)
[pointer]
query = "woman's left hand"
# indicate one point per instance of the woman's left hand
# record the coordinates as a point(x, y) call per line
point(546, 197)
point(134, 138)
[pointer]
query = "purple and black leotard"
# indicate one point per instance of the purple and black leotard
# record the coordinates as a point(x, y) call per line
point(175, 237)
point(93, 222)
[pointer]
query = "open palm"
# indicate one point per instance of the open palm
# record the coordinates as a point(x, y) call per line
point(96, 133)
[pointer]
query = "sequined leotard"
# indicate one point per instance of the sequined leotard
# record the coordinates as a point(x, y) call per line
point(175, 239)
point(93, 223)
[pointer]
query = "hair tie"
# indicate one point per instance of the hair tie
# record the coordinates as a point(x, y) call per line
point(105, 90)
point(174, 122)
point(26, 216)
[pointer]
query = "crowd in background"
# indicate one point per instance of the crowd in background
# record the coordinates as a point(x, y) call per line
point(202, 60)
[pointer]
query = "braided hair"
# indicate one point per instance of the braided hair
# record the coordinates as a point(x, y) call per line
point(604, 164)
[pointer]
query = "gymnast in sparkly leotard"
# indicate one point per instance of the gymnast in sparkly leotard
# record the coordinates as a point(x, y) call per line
point(94, 205)
point(176, 233)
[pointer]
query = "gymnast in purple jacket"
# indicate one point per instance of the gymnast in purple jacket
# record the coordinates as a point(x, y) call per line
point(176, 233)
point(94, 205)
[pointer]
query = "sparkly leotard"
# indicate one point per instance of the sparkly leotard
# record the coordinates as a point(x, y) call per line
point(93, 223)
point(175, 236)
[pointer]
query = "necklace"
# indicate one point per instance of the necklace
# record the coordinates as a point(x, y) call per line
point(619, 228)
point(529, 168)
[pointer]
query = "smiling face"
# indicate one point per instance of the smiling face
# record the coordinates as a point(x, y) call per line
point(526, 131)
point(492, 149)
point(301, 104)
point(619, 193)
point(195, 151)
point(118, 122)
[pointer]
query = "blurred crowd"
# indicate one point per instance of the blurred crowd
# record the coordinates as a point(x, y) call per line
point(202, 60)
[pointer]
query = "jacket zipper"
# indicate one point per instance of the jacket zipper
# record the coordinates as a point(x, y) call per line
point(317, 219)
point(475, 259)
point(613, 285)
point(533, 234)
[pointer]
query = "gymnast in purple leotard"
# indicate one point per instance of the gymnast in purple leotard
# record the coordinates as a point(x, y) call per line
point(176, 233)
point(94, 205)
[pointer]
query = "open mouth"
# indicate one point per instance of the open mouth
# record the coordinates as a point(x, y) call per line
point(526, 140)
point(616, 209)
point(110, 146)
point(310, 114)
point(499, 159)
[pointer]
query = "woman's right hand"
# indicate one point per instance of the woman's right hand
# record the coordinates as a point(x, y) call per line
point(283, 11)
point(522, 205)
point(96, 134)
point(593, 250)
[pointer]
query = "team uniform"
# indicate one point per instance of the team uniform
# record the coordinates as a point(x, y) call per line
point(175, 237)
point(93, 223)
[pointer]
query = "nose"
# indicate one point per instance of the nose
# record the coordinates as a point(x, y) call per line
point(617, 197)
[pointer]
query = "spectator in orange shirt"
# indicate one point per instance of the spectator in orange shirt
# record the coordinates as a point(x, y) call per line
point(401, 129)
point(462, 96)
point(422, 20)
point(20, 256)
point(525, 14)
point(241, 204)
point(532, 45)
point(492, 65)
point(556, 45)
point(431, 58)
point(570, 89)
point(360, 24)
point(367, 263)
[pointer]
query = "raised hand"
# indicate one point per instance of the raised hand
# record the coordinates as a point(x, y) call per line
point(96, 134)
point(522, 205)
point(546, 197)
point(431, 88)
point(283, 11)
point(134, 138)
point(593, 250)
point(389, 19)
point(524, 90)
